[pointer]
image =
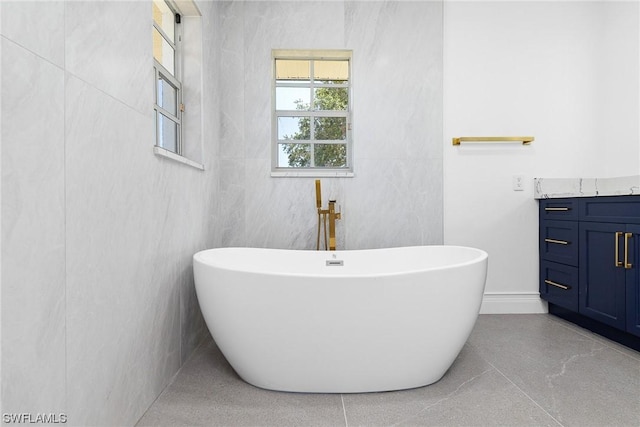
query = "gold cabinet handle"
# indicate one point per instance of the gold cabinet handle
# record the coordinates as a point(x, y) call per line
point(558, 242)
point(618, 263)
point(627, 264)
point(557, 285)
point(557, 209)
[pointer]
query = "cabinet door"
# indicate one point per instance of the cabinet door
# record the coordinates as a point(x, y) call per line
point(633, 281)
point(602, 283)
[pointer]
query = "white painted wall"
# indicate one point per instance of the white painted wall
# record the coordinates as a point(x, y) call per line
point(617, 89)
point(564, 72)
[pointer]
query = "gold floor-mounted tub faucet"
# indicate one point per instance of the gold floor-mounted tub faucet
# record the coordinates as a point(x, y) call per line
point(322, 220)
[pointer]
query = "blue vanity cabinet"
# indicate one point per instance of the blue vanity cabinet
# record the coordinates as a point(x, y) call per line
point(590, 263)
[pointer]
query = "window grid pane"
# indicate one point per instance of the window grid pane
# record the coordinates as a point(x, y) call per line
point(293, 98)
point(331, 71)
point(167, 96)
point(167, 133)
point(330, 155)
point(293, 128)
point(330, 128)
point(295, 155)
point(292, 70)
point(331, 98)
point(164, 18)
point(163, 52)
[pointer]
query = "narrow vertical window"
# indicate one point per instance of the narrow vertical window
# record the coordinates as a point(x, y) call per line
point(312, 114)
point(168, 88)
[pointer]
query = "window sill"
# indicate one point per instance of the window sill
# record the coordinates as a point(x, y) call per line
point(178, 158)
point(312, 174)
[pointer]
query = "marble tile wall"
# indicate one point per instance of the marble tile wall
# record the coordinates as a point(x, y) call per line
point(33, 231)
point(395, 198)
point(98, 303)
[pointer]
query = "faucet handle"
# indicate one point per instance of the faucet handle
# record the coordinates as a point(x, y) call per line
point(332, 209)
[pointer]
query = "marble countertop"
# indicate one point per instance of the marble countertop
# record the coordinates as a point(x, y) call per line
point(552, 188)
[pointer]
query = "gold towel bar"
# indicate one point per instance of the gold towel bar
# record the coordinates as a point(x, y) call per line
point(525, 139)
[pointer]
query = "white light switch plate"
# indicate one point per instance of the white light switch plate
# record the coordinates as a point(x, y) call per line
point(518, 182)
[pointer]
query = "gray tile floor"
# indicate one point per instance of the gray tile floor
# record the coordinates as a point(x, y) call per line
point(515, 370)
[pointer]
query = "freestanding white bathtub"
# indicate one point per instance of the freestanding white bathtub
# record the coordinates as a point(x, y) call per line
point(340, 322)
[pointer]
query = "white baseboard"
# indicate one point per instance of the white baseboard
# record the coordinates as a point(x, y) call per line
point(513, 303)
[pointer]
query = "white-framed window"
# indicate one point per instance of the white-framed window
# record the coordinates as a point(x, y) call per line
point(312, 112)
point(178, 81)
point(166, 67)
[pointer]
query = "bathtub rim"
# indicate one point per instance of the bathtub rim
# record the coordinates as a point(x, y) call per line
point(482, 256)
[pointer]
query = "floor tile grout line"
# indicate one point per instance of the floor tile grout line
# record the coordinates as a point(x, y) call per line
point(449, 395)
point(344, 411)
point(442, 399)
point(525, 393)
